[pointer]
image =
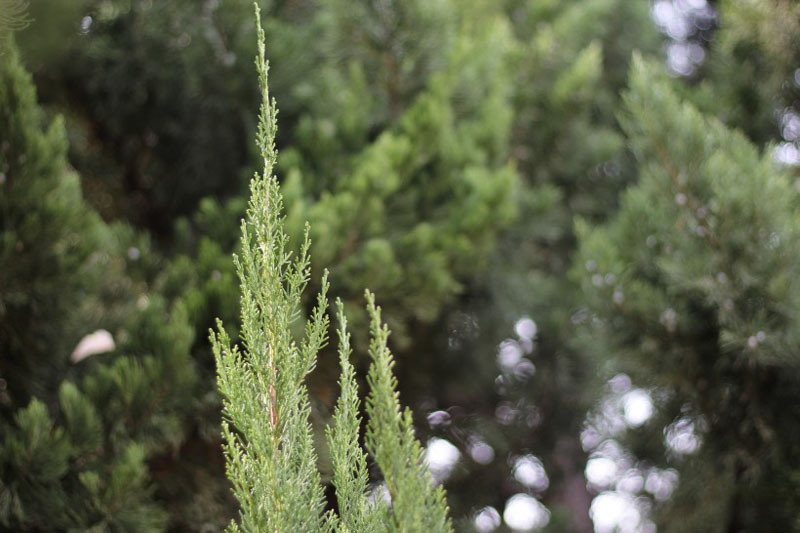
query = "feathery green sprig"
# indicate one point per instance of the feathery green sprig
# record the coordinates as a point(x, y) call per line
point(268, 442)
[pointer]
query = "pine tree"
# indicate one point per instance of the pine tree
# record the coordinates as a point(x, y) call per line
point(402, 169)
point(147, 151)
point(569, 63)
point(268, 436)
point(749, 80)
point(79, 438)
point(43, 255)
point(693, 285)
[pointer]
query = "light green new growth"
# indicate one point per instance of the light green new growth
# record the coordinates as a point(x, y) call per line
point(268, 444)
point(391, 441)
point(349, 461)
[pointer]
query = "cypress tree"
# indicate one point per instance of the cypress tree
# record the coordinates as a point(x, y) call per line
point(268, 437)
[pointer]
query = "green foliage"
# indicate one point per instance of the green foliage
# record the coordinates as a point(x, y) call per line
point(749, 81)
point(268, 436)
point(77, 438)
point(348, 459)
point(46, 238)
point(416, 504)
point(694, 282)
point(442, 151)
point(420, 196)
point(569, 61)
point(87, 466)
point(147, 151)
point(396, 45)
point(13, 17)
point(58, 476)
point(570, 71)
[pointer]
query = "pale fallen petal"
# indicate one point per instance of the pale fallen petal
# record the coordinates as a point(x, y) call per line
point(100, 341)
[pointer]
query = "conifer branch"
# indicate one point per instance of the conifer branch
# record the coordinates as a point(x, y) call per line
point(417, 505)
point(267, 435)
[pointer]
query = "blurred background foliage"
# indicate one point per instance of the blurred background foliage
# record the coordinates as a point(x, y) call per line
point(586, 260)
